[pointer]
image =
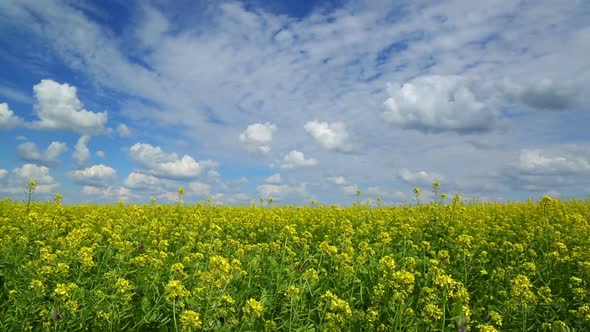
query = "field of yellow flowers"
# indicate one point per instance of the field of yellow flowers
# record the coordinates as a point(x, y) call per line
point(431, 267)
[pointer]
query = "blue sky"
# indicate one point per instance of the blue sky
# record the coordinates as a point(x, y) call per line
point(295, 100)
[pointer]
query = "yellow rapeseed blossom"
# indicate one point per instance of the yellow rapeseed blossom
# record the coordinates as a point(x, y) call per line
point(175, 289)
point(521, 290)
point(253, 308)
point(432, 312)
point(190, 320)
point(293, 292)
point(122, 285)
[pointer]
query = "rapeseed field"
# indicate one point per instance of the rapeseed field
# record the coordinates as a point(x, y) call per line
point(440, 266)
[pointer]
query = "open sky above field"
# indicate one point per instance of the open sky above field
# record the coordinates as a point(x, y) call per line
point(295, 100)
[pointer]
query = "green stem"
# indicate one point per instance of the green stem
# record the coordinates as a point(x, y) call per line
point(174, 315)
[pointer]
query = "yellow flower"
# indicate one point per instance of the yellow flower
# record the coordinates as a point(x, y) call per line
point(175, 289)
point(227, 299)
point(293, 292)
point(496, 318)
point(521, 290)
point(432, 312)
point(179, 269)
point(486, 328)
point(219, 264)
point(253, 308)
point(190, 320)
point(72, 305)
point(37, 284)
point(64, 290)
point(85, 255)
point(122, 285)
point(63, 268)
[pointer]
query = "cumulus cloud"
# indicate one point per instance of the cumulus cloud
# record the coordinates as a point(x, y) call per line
point(3, 173)
point(99, 154)
point(258, 136)
point(30, 153)
point(81, 152)
point(296, 159)
point(21, 175)
point(59, 108)
point(419, 178)
point(166, 165)
point(573, 160)
point(281, 192)
point(199, 189)
point(8, 119)
point(339, 180)
point(123, 130)
point(108, 192)
point(435, 104)
point(331, 136)
point(97, 175)
point(275, 178)
point(136, 180)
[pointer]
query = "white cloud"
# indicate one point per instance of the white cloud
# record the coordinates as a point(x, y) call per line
point(419, 178)
point(97, 175)
point(281, 192)
point(30, 153)
point(99, 153)
point(7, 118)
point(59, 108)
point(339, 180)
point(81, 152)
point(136, 180)
point(377, 191)
point(296, 159)
point(109, 192)
point(3, 173)
point(275, 178)
point(258, 136)
point(45, 182)
point(21, 138)
point(435, 104)
point(199, 189)
point(569, 160)
point(350, 189)
point(154, 185)
point(168, 197)
point(123, 130)
point(160, 164)
point(331, 136)
point(38, 173)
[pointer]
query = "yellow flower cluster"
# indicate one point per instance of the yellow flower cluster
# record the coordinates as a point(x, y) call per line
point(253, 308)
point(190, 320)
